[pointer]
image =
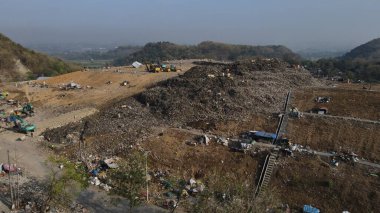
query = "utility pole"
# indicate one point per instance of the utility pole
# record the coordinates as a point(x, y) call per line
point(9, 178)
point(17, 193)
point(146, 176)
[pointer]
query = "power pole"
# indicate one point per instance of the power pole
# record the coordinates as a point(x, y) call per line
point(9, 179)
point(17, 193)
point(146, 176)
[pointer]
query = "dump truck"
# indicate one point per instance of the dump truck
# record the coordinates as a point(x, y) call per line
point(21, 125)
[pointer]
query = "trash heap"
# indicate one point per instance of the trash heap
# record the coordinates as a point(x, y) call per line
point(9, 168)
point(222, 92)
point(209, 93)
point(173, 191)
point(98, 171)
point(71, 85)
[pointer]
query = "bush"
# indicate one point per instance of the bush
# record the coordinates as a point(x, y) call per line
point(129, 179)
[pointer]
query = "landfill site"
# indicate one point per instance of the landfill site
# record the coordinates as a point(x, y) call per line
point(256, 135)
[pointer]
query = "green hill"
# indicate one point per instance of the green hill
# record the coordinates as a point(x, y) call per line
point(19, 63)
point(369, 51)
point(159, 51)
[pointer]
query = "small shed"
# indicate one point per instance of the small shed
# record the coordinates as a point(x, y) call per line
point(136, 64)
point(260, 135)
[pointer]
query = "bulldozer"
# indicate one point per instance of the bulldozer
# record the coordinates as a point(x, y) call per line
point(21, 125)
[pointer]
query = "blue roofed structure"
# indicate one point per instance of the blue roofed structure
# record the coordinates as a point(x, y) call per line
point(263, 134)
point(310, 209)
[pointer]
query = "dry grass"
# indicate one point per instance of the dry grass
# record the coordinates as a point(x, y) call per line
point(324, 134)
point(344, 102)
point(308, 180)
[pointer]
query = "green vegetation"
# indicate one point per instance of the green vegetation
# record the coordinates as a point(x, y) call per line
point(369, 51)
point(64, 184)
point(368, 71)
point(38, 64)
point(129, 179)
point(122, 51)
point(92, 64)
point(153, 52)
point(361, 63)
point(224, 194)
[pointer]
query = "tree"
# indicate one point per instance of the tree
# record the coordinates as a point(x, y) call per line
point(64, 183)
point(129, 179)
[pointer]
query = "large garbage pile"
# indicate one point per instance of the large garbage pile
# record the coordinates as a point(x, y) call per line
point(204, 93)
point(226, 91)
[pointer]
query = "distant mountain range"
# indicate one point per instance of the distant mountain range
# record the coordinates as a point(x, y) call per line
point(369, 51)
point(20, 63)
point(312, 54)
point(160, 51)
point(122, 51)
point(361, 63)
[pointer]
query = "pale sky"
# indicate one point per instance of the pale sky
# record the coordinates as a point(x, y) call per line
point(298, 24)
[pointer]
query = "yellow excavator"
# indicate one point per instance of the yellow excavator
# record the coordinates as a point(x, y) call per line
point(154, 68)
point(161, 68)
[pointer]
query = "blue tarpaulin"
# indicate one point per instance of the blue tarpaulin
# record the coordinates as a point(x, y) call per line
point(310, 209)
point(264, 134)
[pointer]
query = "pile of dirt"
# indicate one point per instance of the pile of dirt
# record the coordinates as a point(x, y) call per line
point(215, 93)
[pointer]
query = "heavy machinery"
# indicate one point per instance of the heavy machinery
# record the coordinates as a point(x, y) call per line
point(27, 110)
point(165, 68)
point(3, 95)
point(161, 68)
point(153, 68)
point(169, 68)
point(173, 68)
point(21, 125)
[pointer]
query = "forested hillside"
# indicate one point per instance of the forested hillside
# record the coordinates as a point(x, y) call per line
point(19, 63)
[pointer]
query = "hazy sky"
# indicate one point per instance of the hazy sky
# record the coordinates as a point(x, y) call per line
point(298, 24)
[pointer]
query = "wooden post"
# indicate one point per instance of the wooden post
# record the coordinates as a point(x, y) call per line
point(9, 179)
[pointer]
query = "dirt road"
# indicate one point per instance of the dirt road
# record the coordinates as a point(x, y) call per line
point(56, 107)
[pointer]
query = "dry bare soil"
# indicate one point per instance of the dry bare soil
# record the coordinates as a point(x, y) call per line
point(346, 100)
point(331, 134)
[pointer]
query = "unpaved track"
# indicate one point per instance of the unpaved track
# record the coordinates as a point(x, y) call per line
point(28, 154)
point(55, 107)
point(342, 117)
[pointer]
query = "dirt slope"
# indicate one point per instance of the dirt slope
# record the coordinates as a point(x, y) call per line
point(328, 134)
point(310, 180)
point(344, 102)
